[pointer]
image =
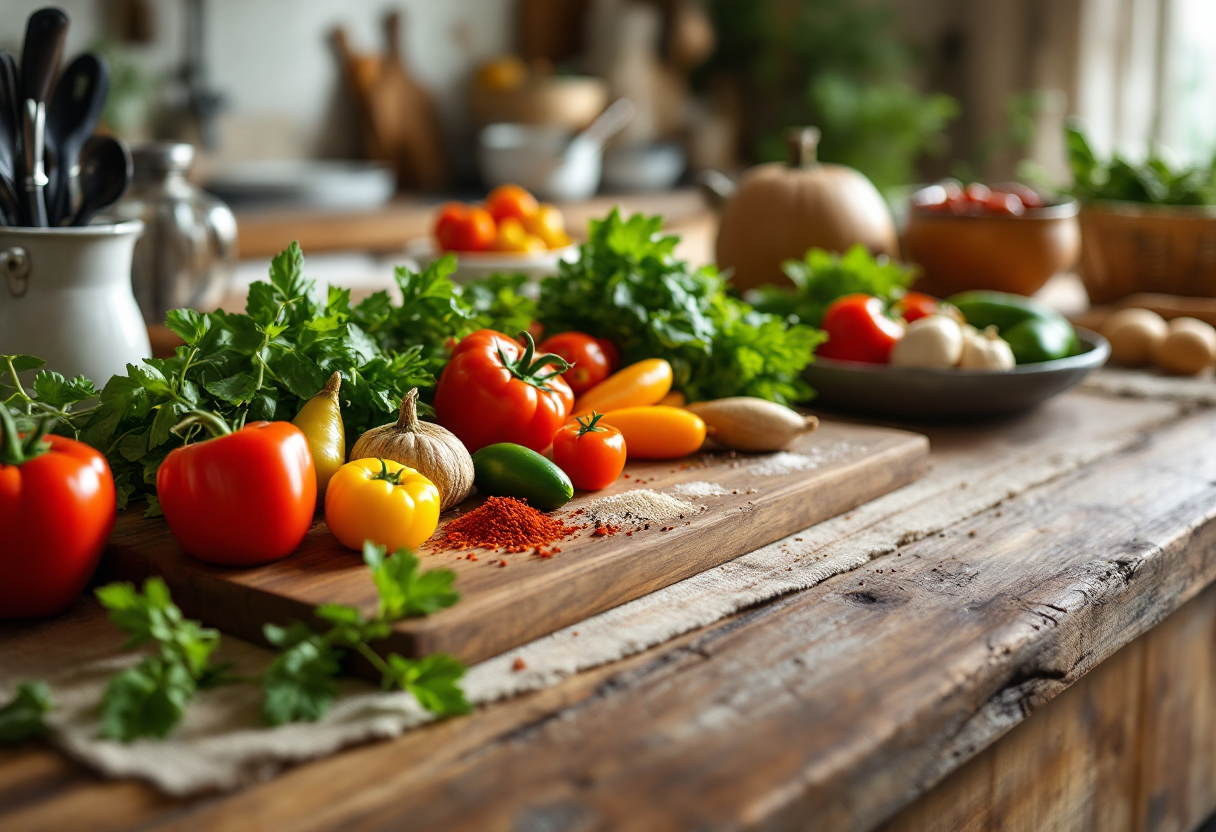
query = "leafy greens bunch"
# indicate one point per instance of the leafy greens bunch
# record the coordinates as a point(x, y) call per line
point(822, 277)
point(434, 311)
point(627, 286)
point(1153, 181)
point(263, 364)
point(54, 397)
point(150, 699)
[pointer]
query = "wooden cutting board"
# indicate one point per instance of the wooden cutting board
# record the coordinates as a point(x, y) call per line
point(768, 498)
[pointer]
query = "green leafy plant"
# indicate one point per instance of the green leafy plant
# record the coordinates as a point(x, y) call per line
point(22, 718)
point(434, 311)
point(54, 398)
point(1153, 181)
point(627, 286)
point(823, 276)
point(150, 699)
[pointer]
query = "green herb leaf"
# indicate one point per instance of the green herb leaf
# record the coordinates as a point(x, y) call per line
point(433, 680)
point(189, 325)
point(404, 592)
point(301, 682)
point(22, 718)
point(152, 616)
point(21, 363)
point(57, 391)
point(147, 700)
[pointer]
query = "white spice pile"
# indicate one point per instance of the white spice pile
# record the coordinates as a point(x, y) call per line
point(642, 505)
point(700, 488)
point(786, 462)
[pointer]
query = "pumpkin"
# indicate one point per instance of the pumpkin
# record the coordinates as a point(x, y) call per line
point(781, 210)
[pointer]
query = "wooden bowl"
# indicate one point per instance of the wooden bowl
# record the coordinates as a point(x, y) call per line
point(1004, 253)
point(564, 101)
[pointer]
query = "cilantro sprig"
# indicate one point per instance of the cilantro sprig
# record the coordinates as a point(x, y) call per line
point(22, 718)
point(300, 683)
point(628, 286)
point(822, 276)
point(54, 398)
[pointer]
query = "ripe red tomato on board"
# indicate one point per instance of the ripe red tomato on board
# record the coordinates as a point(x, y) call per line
point(494, 391)
point(592, 454)
point(57, 511)
point(511, 201)
point(464, 228)
point(242, 497)
point(859, 330)
point(589, 364)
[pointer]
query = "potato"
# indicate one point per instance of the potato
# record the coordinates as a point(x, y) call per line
point(1188, 348)
point(1134, 335)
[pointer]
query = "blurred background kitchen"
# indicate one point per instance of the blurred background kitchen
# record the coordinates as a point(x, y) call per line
point(345, 124)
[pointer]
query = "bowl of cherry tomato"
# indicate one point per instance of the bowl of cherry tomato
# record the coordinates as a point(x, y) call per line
point(509, 232)
point(1006, 237)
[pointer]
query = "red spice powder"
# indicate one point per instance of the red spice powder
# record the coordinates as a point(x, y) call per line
point(503, 523)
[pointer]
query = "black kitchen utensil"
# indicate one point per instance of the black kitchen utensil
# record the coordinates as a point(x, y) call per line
point(105, 173)
point(71, 118)
point(10, 129)
point(44, 35)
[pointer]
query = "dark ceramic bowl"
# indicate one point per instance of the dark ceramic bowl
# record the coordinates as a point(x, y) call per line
point(916, 393)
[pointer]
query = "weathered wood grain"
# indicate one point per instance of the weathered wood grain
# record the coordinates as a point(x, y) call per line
point(501, 607)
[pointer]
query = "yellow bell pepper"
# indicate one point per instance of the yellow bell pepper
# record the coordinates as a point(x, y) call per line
point(320, 420)
point(637, 385)
point(383, 501)
point(658, 432)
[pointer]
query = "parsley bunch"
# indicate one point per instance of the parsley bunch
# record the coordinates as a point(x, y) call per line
point(627, 286)
point(150, 699)
point(262, 364)
point(434, 311)
point(822, 277)
point(53, 396)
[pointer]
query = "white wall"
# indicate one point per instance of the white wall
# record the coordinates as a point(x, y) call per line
point(272, 57)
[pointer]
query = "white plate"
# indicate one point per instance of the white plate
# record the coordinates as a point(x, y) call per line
point(474, 265)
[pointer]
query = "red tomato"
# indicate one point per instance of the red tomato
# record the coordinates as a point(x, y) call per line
point(591, 454)
point(464, 228)
point(859, 330)
point(916, 305)
point(57, 512)
point(241, 498)
point(588, 364)
point(612, 352)
point(494, 391)
point(1005, 204)
point(511, 201)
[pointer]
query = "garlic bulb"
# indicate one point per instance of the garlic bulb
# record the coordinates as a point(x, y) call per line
point(986, 351)
point(429, 449)
point(932, 341)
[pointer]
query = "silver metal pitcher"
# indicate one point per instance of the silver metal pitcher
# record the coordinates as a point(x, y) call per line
point(188, 252)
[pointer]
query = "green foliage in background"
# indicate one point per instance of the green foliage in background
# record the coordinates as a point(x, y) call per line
point(1152, 181)
point(836, 65)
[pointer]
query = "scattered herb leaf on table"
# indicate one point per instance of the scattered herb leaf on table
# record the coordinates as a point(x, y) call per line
point(627, 286)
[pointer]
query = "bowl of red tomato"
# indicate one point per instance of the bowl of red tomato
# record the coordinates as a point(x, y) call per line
point(1006, 237)
point(510, 232)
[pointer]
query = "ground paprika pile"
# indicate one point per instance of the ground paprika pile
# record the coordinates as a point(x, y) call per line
point(503, 523)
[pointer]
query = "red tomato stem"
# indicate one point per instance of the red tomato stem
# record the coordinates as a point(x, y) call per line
point(529, 365)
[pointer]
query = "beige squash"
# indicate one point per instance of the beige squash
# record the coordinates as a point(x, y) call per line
point(780, 210)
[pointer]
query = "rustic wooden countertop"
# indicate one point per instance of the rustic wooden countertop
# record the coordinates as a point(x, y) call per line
point(836, 707)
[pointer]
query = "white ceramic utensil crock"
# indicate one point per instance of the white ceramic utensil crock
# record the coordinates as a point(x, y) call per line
point(66, 297)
